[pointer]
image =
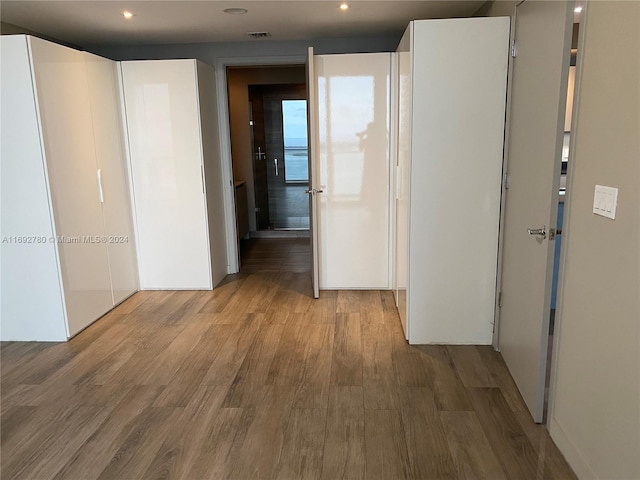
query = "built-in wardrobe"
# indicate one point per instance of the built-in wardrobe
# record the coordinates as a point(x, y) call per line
point(451, 81)
point(176, 174)
point(68, 251)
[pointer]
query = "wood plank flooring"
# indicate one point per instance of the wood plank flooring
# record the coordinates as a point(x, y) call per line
point(256, 380)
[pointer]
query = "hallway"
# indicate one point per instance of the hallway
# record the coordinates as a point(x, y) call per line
point(258, 380)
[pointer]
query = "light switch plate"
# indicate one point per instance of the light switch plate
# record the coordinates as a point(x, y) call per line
point(605, 201)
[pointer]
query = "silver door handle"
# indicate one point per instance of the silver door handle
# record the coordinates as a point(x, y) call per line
point(275, 161)
point(313, 191)
point(541, 232)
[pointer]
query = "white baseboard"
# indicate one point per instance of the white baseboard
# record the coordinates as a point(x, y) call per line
point(570, 452)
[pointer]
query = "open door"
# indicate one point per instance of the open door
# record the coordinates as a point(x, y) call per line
point(536, 126)
point(313, 191)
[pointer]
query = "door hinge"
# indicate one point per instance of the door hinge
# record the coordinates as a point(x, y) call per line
point(514, 49)
point(500, 300)
point(506, 180)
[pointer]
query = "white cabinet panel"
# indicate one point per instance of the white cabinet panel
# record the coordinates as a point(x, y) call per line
point(161, 101)
point(31, 296)
point(102, 76)
point(63, 100)
point(353, 164)
point(454, 168)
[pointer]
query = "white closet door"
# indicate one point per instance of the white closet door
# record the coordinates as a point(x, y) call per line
point(353, 112)
point(102, 75)
point(215, 184)
point(166, 163)
point(63, 99)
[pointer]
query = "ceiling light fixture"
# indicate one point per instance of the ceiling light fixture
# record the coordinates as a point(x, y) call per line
point(344, 6)
point(235, 11)
point(577, 9)
point(127, 14)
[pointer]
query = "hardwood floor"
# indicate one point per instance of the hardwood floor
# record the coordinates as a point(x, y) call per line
point(256, 380)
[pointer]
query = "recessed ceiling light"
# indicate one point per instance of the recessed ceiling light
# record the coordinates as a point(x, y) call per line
point(235, 11)
point(127, 14)
point(577, 9)
point(344, 6)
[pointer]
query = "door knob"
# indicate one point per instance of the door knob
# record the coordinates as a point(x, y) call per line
point(540, 232)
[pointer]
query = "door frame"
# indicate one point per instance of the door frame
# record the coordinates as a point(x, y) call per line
point(224, 131)
point(568, 203)
point(547, 411)
point(505, 168)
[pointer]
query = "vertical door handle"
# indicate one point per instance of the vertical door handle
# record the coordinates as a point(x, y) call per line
point(100, 191)
point(275, 162)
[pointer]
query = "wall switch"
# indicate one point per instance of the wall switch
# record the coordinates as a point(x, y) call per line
point(605, 201)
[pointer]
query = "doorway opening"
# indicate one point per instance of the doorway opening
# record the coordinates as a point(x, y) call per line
point(269, 153)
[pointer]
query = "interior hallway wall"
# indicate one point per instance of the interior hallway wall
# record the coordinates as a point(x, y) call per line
point(595, 416)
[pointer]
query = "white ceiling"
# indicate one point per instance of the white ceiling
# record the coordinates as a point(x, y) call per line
point(163, 22)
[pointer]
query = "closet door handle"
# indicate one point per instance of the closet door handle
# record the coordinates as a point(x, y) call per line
point(275, 162)
point(100, 191)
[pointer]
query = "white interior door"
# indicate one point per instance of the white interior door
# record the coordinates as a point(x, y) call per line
point(314, 190)
point(353, 170)
point(537, 109)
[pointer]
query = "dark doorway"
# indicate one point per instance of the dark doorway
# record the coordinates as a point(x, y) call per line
point(256, 95)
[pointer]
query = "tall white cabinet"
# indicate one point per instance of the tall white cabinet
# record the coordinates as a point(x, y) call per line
point(353, 169)
point(451, 90)
point(176, 173)
point(67, 242)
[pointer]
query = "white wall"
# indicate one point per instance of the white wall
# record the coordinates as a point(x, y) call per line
point(595, 416)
